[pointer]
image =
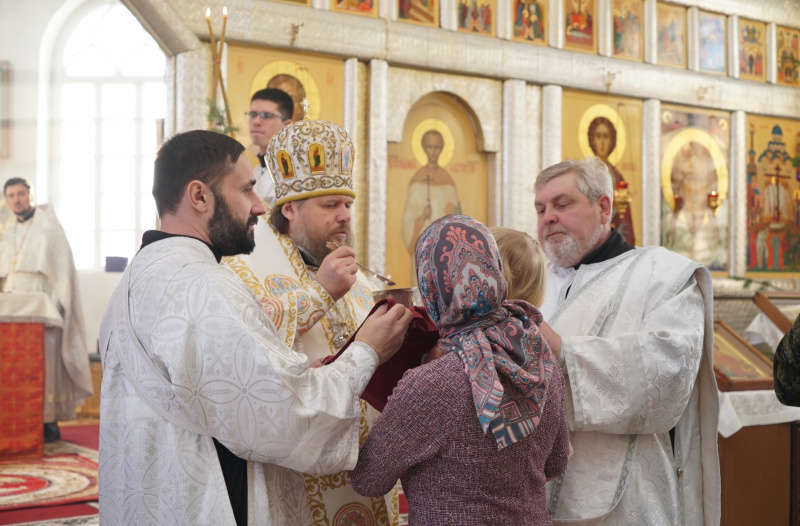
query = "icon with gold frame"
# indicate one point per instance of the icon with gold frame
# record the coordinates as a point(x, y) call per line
point(738, 366)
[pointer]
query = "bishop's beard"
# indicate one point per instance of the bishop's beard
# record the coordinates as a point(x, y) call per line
point(313, 244)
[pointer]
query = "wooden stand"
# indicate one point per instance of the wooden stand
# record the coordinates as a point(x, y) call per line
point(756, 468)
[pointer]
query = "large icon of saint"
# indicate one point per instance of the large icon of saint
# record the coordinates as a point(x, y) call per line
point(602, 140)
point(602, 132)
point(291, 85)
point(773, 203)
point(695, 146)
point(695, 167)
point(431, 192)
point(296, 80)
point(438, 168)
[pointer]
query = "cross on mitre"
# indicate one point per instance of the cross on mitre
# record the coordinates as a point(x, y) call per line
point(305, 105)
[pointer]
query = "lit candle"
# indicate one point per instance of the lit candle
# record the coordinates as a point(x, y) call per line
point(210, 28)
point(713, 200)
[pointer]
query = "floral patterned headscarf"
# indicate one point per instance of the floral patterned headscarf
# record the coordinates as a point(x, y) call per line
point(507, 361)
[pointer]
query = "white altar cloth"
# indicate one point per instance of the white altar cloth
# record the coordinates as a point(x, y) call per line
point(738, 409)
point(29, 307)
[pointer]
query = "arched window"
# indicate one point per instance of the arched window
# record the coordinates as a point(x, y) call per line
point(108, 107)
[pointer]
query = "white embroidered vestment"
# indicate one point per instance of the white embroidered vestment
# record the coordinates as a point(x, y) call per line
point(189, 354)
point(637, 334)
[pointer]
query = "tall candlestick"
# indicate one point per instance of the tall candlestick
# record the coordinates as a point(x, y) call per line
point(222, 35)
point(219, 66)
point(214, 67)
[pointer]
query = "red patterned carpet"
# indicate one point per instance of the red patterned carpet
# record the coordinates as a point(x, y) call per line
point(59, 488)
point(48, 481)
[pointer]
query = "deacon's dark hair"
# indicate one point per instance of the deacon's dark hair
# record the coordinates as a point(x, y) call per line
point(279, 97)
point(16, 180)
point(200, 155)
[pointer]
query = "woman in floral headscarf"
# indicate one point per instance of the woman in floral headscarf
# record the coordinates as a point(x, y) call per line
point(474, 435)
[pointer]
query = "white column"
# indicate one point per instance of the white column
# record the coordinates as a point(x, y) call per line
point(387, 10)
point(733, 46)
point(351, 98)
point(772, 53)
point(604, 28)
point(693, 38)
point(555, 23)
point(352, 95)
point(737, 194)
point(512, 170)
point(651, 172)
point(192, 77)
point(378, 112)
point(527, 218)
point(494, 188)
point(650, 31)
point(448, 14)
point(172, 90)
point(551, 125)
point(504, 19)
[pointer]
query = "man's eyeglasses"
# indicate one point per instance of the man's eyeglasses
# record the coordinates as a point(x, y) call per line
point(264, 115)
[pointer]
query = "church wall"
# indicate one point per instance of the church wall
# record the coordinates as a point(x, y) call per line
point(20, 43)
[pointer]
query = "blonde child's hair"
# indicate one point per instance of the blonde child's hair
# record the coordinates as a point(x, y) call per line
point(523, 264)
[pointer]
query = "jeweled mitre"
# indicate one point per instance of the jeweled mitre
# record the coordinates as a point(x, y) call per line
point(311, 158)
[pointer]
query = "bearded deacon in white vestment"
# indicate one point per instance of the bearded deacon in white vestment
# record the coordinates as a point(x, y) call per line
point(35, 256)
point(311, 293)
point(200, 397)
point(634, 334)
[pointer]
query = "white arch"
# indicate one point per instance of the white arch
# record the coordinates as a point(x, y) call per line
point(482, 96)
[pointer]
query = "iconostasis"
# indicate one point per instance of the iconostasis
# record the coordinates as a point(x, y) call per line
point(675, 174)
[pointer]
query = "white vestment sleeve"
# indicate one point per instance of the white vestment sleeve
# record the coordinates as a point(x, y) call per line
point(247, 389)
point(638, 382)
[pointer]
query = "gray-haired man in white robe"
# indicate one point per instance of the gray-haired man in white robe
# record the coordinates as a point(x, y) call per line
point(634, 334)
point(200, 398)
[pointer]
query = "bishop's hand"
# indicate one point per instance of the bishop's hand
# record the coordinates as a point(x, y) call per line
point(385, 329)
point(337, 274)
